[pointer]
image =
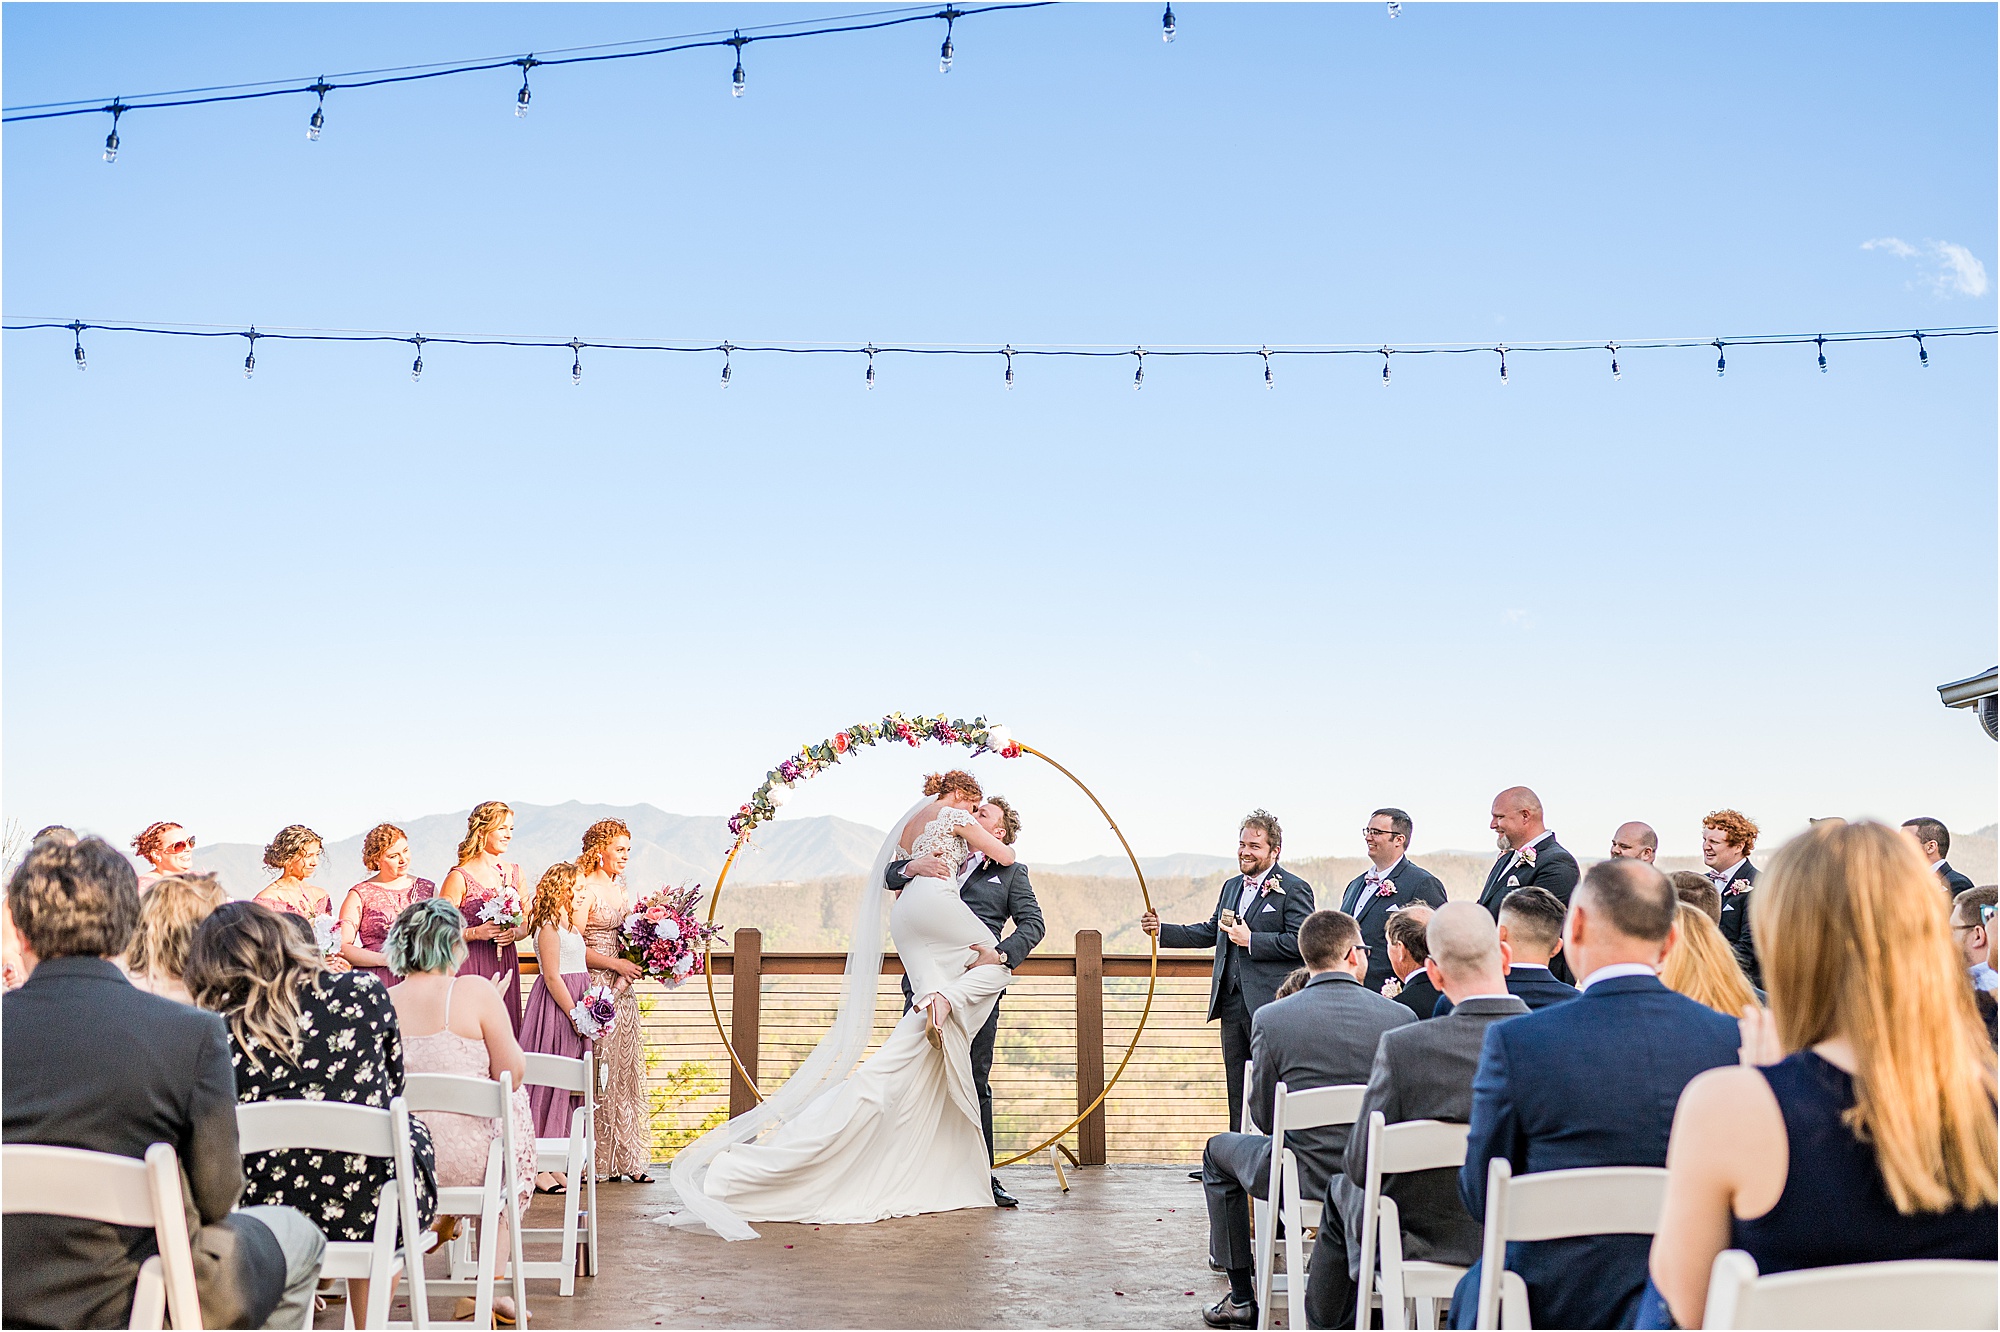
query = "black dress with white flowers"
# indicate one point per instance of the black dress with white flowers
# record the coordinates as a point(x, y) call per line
point(349, 1049)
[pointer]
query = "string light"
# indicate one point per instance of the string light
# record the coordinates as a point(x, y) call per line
point(1720, 363)
point(1612, 347)
point(417, 366)
point(1385, 367)
point(250, 361)
point(576, 365)
point(1139, 375)
point(1266, 353)
point(522, 98)
point(1395, 8)
point(1820, 342)
point(945, 52)
point(1923, 357)
point(1502, 349)
point(739, 41)
point(870, 349)
point(1008, 352)
point(111, 139)
point(1167, 25)
point(318, 121)
point(77, 328)
point(726, 349)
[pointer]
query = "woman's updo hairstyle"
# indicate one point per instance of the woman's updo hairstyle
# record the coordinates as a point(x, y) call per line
point(485, 817)
point(149, 841)
point(428, 936)
point(291, 842)
point(957, 783)
point(379, 839)
point(596, 838)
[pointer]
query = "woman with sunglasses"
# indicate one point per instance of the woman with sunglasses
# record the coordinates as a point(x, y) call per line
point(168, 848)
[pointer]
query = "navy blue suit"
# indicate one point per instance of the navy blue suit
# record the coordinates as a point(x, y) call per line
point(1593, 1082)
point(1533, 986)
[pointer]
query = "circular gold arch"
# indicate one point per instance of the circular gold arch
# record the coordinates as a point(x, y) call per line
point(1152, 967)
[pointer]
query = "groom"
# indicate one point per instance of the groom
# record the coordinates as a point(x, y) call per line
point(996, 894)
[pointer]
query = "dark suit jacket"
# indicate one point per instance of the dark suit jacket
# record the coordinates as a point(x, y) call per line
point(1323, 1036)
point(1736, 924)
point(1413, 883)
point(1954, 882)
point(1422, 1071)
point(996, 894)
point(1533, 986)
point(1274, 922)
point(1588, 1083)
point(1554, 869)
point(91, 1062)
point(1419, 995)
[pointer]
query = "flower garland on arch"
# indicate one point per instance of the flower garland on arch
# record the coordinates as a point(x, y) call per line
point(978, 735)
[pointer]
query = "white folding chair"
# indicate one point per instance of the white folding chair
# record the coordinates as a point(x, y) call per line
point(1914, 1293)
point(576, 1157)
point(472, 1267)
point(118, 1191)
point(1556, 1204)
point(355, 1130)
point(1317, 1107)
point(1395, 1149)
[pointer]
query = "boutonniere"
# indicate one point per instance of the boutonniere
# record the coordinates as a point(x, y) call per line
point(1527, 854)
point(1737, 887)
point(1387, 889)
point(1391, 988)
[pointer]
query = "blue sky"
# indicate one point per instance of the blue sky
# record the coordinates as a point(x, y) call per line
point(330, 595)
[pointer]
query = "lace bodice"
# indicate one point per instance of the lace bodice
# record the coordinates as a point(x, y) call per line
point(940, 838)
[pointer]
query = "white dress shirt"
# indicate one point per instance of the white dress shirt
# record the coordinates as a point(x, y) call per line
point(1251, 887)
point(1615, 970)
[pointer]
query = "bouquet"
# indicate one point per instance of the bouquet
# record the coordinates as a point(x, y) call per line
point(326, 932)
point(663, 935)
point(595, 1013)
point(502, 909)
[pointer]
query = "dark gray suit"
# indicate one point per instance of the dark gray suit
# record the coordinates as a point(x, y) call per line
point(1323, 1036)
point(996, 894)
point(1420, 1072)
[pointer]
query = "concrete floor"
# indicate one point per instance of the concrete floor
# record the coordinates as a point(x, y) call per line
point(1125, 1248)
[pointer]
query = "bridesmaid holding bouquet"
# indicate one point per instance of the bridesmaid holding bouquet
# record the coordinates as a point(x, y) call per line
point(295, 854)
point(624, 1120)
point(487, 892)
point(372, 905)
point(547, 1026)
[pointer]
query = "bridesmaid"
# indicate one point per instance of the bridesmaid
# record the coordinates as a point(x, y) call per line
point(489, 948)
point(372, 905)
point(168, 849)
point(624, 1124)
point(295, 854)
point(546, 1028)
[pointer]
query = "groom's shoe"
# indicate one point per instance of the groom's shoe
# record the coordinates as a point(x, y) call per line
point(1002, 1198)
point(1225, 1312)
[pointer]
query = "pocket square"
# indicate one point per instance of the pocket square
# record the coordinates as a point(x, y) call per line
point(1513, 881)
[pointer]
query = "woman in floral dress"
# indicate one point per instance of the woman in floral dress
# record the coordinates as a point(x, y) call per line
point(480, 876)
point(298, 1032)
point(624, 1111)
point(373, 904)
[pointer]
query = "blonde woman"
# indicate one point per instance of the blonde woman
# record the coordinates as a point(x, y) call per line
point(480, 876)
point(1703, 967)
point(624, 1124)
point(372, 905)
point(169, 914)
point(295, 853)
point(1860, 1127)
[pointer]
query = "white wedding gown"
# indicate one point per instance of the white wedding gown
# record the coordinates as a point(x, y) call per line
point(901, 1135)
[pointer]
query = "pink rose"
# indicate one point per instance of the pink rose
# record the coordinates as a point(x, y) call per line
point(656, 913)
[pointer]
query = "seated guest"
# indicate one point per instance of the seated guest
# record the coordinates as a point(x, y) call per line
point(1422, 1071)
point(1591, 1082)
point(458, 1025)
point(1412, 987)
point(1531, 922)
point(168, 915)
point(1702, 966)
point(88, 1061)
point(1635, 841)
point(1727, 839)
point(1323, 1036)
point(1293, 983)
point(1864, 1130)
point(1933, 839)
point(1391, 884)
point(298, 1032)
point(1698, 892)
point(167, 849)
point(1971, 929)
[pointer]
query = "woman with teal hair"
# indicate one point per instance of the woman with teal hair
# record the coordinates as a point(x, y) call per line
point(459, 1025)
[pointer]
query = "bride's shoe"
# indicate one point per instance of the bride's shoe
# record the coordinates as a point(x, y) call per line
point(933, 1024)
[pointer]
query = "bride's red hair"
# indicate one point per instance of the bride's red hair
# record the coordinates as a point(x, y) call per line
point(957, 782)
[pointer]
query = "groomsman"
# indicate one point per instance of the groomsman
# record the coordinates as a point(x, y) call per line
point(1934, 840)
point(1635, 841)
point(1391, 883)
point(1254, 930)
point(1727, 838)
point(1530, 856)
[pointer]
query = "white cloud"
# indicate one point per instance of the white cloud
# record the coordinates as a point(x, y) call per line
point(1953, 270)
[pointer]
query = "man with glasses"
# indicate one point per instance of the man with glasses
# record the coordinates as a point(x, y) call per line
point(168, 848)
point(1391, 883)
point(1323, 1036)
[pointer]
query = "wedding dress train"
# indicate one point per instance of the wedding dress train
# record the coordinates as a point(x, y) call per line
point(901, 1135)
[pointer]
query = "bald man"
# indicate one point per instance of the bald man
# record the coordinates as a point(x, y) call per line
point(1530, 857)
point(1635, 841)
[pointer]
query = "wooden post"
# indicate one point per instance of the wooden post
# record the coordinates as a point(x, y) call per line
point(745, 991)
point(1090, 1044)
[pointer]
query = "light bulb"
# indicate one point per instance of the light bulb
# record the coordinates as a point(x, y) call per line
point(1385, 367)
point(1821, 343)
point(1612, 347)
point(81, 364)
point(313, 126)
point(725, 372)
point(737, 40)
point(1139, 375)
point(1167, 25)
point(871, 368)
point(1009, 354)
point(250, 365)
point(1721, 364)
point(1923, 357)
point(1395, 8)
point(111, 146)
point(417, 368)
point(521, 101)
point(944, 57)
point(1503, 362)
point(1268, 383)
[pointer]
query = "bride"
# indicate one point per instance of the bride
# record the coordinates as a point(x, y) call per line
point(901, 1135)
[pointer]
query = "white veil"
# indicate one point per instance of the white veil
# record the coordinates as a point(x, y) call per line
point(824, 1070)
